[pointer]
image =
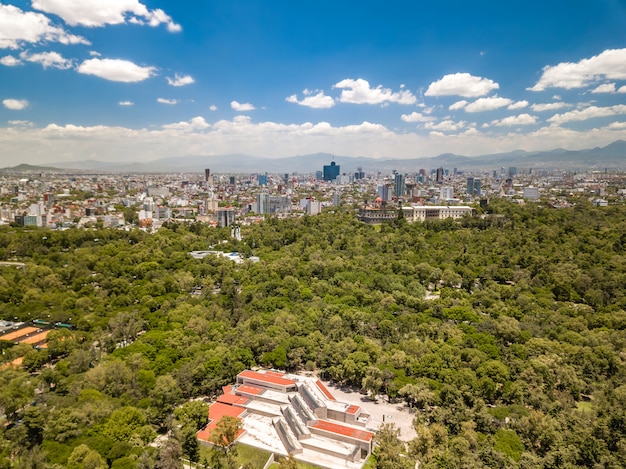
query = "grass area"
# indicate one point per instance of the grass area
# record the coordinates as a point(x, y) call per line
point(301, 465)
point(256, 458)
point(584, 406)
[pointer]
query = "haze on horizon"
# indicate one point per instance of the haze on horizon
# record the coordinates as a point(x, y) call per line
point(131, 80)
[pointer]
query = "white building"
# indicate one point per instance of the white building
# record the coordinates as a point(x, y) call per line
point(415, 213)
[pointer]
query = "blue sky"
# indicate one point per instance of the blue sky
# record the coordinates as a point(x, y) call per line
point(138, 80)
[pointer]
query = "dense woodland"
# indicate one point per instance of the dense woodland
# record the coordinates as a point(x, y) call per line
point(505, 332)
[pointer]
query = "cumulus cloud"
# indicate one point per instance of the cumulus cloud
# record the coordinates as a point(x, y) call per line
point(549, 106)
point(95, 13)
point(167, 101)
point(213, 107)
point(359, 91)
point(126, 103)
point(446, 126)
point(15, 104)
point(518, 105)
point(48, 59)
point(608, 65)
point(315, 101)
point(241, 107)
point(617, 126)
point(116, 70)
point(196, 123)
point(21, 124)
point(10, 61)
point(458, 105)
point(605, 88)
point(588, 113)
point(416, 117)
point(461, 84)
point(511, 121)
point(180, 80)
point(18, 27)
point(487, 104)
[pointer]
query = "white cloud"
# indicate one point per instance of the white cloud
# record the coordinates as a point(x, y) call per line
point(591, 112)
point(242, 135)
point(617, 126)
point(18, 27)
point(213, 107)
point(94, 13)
point(608, 65)
point(511, 121)
point(126, 103)
point(315, 101)
point(622, 89)
point(458, 105)
point(359, 92)
point(116, 70)
point(241, 107)
point(10, 61)
point(167, 101)
point(15, 104)
point(48, 59)
point(446, 126)
point(461, 84)
point(180, 80)
point(487, 104)
point(21, 123)
point(196, 123)
point(549, 106)
point(605, 88)
point(416, 117)
point(518, 105)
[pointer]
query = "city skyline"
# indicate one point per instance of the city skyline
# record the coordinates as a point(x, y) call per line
point(129, 80)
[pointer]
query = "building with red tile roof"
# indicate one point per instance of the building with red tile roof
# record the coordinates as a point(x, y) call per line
point(294, 415)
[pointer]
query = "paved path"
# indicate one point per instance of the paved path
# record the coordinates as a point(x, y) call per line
point(380, 410)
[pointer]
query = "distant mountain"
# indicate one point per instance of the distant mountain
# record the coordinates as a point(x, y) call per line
point(27, 168)
point(610, 156)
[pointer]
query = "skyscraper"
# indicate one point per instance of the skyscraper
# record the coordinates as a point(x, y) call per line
point(473, 186)
point(331, 171)
point(399, 186)
point(439, 175)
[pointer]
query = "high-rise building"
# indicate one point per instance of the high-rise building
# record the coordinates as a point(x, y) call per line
point(399, 185)
point(263, 203)
point(446, 193)
point(439, 175)
point(331, 171)
point(225, 216)
point(473, 186)
point(207, 174)
point(262, 179)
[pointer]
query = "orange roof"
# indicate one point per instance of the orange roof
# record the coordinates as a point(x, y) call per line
point(14, 364)
point(217, 410)
point(325, 390)
point(249, 389)
point(232, 399)
point(264, 377)
point(33, 339)
point(353, 409)
point(278, 374)
point(355, 433)
point(18, 333)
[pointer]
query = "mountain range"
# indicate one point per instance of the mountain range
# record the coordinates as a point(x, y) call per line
point(612, 156)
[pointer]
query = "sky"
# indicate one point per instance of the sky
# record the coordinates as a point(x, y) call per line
point(139, 80)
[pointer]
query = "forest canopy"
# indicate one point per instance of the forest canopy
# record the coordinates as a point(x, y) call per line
point(504, 332)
